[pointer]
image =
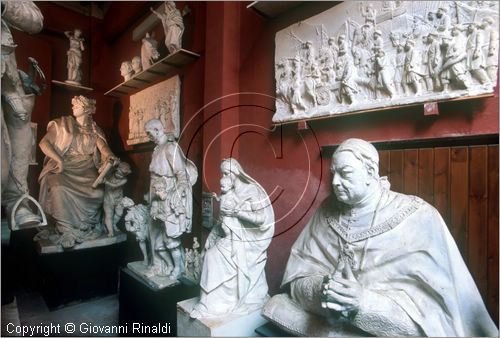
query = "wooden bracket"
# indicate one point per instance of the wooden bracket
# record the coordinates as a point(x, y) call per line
point(302, 125)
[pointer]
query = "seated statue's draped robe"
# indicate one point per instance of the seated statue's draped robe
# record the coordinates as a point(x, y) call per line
point(68, 197)
point(407, 262)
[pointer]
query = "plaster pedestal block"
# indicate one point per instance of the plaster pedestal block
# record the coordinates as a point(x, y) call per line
point(46, 246)
point(230, 325)
point(142, 303)
point(144, 273)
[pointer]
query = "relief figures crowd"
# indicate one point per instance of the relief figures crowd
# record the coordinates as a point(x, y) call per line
point(374, 61)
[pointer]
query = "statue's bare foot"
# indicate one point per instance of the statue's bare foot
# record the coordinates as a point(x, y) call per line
point(195, 313)
point(67, 241)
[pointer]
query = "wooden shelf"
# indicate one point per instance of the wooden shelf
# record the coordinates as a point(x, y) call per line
point(160, 69)
point(72, 87)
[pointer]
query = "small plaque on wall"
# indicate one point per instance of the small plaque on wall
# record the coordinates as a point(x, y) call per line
point(370, 55)
point(160, 101)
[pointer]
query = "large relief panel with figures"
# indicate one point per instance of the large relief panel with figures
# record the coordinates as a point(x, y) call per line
point(160, 101)
point(363, 55)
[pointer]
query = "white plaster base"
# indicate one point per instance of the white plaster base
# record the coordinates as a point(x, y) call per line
point(230, 325)
point(147, 276)
point(46, 246)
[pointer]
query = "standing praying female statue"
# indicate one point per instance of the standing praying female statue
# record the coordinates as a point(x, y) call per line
point(75, 56)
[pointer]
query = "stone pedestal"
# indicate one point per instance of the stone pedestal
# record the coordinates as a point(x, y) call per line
point(145, 274)
point(142, 303)
point(46, 246)
point(230, 325)
point(78, 275)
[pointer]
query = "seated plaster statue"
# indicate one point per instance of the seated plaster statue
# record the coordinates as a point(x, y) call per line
point(171, 198)
point(126, 70)
point(233, 279)
point(77, 158)
point(137, 221)
point(375, 262)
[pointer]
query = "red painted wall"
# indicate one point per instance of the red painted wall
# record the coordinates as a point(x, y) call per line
point(286, 160)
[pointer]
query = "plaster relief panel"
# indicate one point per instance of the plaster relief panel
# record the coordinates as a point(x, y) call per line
point(362, 55)
point(160, 101)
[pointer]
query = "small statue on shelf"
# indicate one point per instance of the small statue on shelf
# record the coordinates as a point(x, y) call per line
point(149, 51)
point(137, 64)
point(75, 56)
point(126, 70)
point(173, 26)
point(18, 98)
point(77, 159)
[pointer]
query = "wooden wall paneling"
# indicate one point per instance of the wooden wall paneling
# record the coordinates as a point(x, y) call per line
point(492, 245)
point(396, 170)
point(384, 162)
point(459, 194)
point(410, 172)
point(442, 182)
point(478, 218)
point(425, 183)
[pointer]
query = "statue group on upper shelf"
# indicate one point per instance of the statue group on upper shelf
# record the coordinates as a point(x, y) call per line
point(400, 53)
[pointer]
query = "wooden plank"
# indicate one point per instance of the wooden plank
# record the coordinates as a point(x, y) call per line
point(384, 162)
point(410, 172)
point(459, 191)
point(492, 298)
point(442, 182)
point(161, 69)
point(426, 174)
point(396, 170)
point(478, 216)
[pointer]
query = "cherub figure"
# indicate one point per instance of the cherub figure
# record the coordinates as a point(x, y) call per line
point(113, 194)
point(138, 222)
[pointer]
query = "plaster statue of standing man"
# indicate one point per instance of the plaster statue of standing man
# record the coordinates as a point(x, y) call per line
point(375, 262)
point(171, 200)
point(173, 26)
point(18, 100)
point(75, 56)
